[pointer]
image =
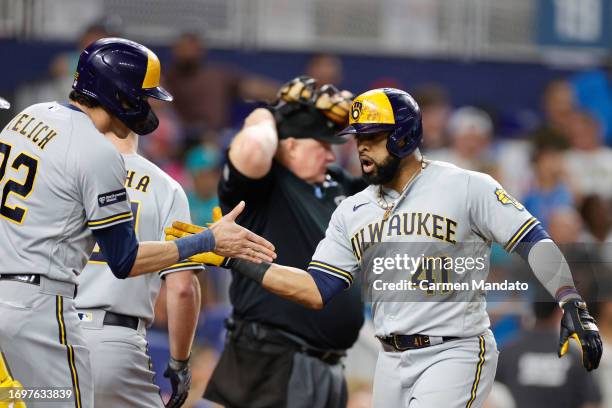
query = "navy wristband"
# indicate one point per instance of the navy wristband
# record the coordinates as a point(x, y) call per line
point(249, 269)
point(195, 244)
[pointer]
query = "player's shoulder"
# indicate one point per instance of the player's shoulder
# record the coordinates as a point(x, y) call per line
point(454, 174)
point(447, 169)
point(144, 165)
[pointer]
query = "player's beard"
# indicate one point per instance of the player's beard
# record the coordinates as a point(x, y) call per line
point(383, 172)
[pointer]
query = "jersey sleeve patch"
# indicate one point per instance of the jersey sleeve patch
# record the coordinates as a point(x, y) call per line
point(520, 233)
point(506, 199)
point(332, 270)
point(182, 266)
point(110, 220)
point(112, 197)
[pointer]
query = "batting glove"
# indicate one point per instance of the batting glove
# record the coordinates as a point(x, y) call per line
point(182, 229)
point(579, 325)
point(179, 373)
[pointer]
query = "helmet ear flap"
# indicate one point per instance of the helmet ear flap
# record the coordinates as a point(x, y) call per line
point(401, 143)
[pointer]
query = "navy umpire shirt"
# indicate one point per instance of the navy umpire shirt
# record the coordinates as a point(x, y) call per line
point(293, 215)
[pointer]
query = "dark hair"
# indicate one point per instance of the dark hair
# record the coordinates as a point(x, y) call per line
point(83, 99)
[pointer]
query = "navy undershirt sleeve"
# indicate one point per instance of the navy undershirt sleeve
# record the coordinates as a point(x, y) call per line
point(537, 233)
point(119, 246)
point(328, 285)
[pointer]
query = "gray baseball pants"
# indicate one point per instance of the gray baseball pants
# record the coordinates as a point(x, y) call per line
point(455, 374)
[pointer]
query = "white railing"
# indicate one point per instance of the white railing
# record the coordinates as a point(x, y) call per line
point(500, 29)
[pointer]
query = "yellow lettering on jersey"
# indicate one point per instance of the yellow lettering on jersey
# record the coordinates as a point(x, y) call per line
point(18, 121)
point(23, 126)
point(50, 135)
point(423, 224)
point(129, 179)
point(143, 182)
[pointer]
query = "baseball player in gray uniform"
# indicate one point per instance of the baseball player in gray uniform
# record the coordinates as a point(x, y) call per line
point(61, 191)
point(438, 351)
point(114, 312)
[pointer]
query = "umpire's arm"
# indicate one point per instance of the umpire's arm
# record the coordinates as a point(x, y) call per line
point(254, 147)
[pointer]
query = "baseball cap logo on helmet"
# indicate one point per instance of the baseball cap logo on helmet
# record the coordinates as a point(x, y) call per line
point(356, 110)
point(120, 74)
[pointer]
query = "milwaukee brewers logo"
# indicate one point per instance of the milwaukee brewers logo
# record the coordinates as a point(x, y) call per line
point(356, 110)
point(507, 199)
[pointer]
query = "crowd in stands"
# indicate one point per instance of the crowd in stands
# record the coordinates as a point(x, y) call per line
point(560, 168)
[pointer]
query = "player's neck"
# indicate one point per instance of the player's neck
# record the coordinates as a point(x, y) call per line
point(408, 168)
point(129, 145)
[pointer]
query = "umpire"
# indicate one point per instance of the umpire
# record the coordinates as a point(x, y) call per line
point(279, 354)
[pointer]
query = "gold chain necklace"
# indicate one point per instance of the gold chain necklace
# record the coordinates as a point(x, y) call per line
point(382, 201)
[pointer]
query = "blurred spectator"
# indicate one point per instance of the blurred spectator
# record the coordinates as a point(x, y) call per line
point(588, 160)
point(470, 131)
point(604, 373)
point(534, 373)
point(557, 103)
point(203, 92)
point(202, 163)
point(325, 68)
point(594, 94)
point(597, 219)
point(549, 191)
point(60, 72)
point(564, 225)
point(435, 109)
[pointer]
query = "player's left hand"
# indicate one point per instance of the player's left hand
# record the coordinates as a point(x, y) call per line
point(179, 373)
point(579, 325)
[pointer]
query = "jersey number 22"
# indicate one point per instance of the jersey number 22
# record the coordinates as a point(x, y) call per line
point(20, 188)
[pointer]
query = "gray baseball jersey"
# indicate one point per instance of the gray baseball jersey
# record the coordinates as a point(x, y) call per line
point(446, 206)
point(60, 179)
point(157, 200)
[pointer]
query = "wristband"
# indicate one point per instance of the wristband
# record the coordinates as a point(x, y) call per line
point(195, 244)
point(565, 294)
point(249, 269)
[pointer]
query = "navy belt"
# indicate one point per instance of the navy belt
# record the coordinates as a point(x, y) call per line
point(401, 342)
point(118, 319)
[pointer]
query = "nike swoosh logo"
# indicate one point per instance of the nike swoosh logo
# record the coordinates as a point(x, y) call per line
point(356, 207)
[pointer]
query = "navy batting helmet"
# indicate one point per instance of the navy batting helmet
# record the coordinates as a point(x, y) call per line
point(120, 74)
point(388, 110)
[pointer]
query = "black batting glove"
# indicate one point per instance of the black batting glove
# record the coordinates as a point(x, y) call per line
point(579, 325)
point(179, 373)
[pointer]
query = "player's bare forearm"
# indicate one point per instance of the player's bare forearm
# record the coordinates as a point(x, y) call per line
point(183, 308)
point(153, 256)
point(254, 147)
point(293, 284)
